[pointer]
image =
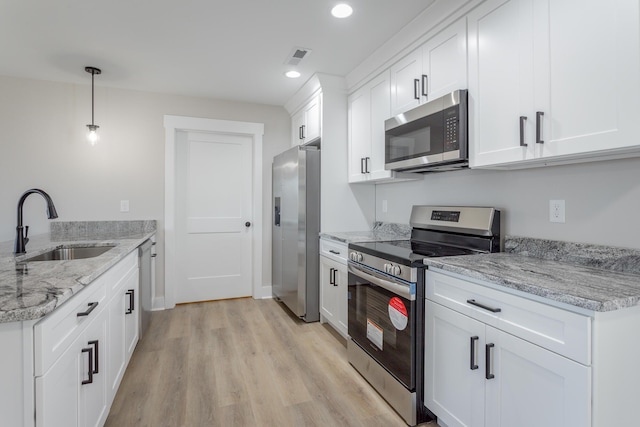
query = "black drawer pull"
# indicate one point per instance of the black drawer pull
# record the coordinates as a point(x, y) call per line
point(472, 354)
point(486, 307)
point(334, 252)
point(92, 306)
point(130, 292)
point(95, 344)
point(90, 371)
point(487, 366)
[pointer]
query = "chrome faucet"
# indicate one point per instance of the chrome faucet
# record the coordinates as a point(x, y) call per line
point(21, 238)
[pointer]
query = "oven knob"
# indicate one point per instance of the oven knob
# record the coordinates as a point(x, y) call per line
point(359, 257)
point(352, 256)
point(396, 270)
point(386, 268)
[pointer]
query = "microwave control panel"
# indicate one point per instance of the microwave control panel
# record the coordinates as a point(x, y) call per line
point(451, 140)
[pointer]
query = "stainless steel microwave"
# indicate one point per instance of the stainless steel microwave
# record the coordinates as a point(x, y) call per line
point(431, 137)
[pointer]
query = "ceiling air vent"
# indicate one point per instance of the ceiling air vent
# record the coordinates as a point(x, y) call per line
point(297, 55)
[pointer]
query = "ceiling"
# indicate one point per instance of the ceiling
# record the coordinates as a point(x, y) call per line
point(233, 50)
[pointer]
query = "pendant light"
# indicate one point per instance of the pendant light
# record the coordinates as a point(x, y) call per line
point(92, 136)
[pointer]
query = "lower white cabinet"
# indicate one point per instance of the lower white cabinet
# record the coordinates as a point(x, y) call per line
point(476, 374)
point(481, 376)
point(81, 350)
point(333, 285)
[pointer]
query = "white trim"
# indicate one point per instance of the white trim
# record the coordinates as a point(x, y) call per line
point(174, 124)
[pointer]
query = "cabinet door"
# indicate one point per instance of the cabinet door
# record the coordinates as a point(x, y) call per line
point(312, 119)
point(132, 312)
point(406, 76)
point(342, 279)
point(454, 366)
point(58, 389)
point(328, 290)
point(380, 96)
point(296, 128)
point(588, 85)
point(359, 134)
point(533, 386)
point(94, 396)
point(444, 62)
point(501, 48)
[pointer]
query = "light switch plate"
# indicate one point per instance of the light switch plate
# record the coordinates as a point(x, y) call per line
point(124, 206)
point(556, 211)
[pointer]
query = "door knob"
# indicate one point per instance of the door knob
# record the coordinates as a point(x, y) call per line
point(247, 224)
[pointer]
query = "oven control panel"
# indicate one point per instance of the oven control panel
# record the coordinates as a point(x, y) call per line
point(392, 269)
point(410, 274)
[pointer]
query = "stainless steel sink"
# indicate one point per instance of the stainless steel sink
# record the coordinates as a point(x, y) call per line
point(62, 253)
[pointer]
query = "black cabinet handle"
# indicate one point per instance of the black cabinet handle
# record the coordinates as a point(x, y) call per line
point(299, 132)
point(90, 371)
point(485, 307)
point(472, 354)
point(522, 120)
point(425, 82)
point(334, 252)
point(331, 276)
point(539, 115)
point(92, 306)
point(334, 276)
point(129, 310)
point(96, 344)
point(367, 161)
point(416, 83)
point(362, 165)
point(487, 356)
point(302, 128)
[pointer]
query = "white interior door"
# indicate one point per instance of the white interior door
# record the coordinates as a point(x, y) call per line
point(213, 206)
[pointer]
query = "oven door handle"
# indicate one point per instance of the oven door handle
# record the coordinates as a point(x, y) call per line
point(396, 288)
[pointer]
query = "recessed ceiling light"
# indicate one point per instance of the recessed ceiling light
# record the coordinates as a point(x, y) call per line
point(342, 10)
point(292, 74)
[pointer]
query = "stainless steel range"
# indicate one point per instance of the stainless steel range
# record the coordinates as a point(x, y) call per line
point(386, 298)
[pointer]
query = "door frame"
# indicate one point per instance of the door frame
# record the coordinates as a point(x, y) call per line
point(174, 124)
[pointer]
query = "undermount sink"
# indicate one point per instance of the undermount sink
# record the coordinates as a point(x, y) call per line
point(62, 253)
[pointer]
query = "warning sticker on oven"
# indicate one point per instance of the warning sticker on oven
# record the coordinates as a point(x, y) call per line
point(398, 313)
point(374, 333)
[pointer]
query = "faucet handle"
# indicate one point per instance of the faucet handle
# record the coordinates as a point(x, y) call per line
point(26, 233)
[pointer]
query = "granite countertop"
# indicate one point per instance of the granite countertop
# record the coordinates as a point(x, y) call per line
point(591, 277)
point(380, 232)
point(30, 290)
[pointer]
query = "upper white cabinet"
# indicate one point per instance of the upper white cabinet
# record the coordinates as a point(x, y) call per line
point(369, 107)
point(550, 85)
point(433, 70)
point(306, 123)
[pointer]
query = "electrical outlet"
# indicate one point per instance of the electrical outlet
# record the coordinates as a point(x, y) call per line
point(124, 206)
point(556, 211)
point(384, 206)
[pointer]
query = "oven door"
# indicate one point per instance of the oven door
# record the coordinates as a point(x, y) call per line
point(382, 320)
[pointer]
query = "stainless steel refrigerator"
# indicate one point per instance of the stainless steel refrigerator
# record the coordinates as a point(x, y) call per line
point(295, 226)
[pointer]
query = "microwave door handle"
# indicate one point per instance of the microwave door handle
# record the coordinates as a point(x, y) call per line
point(396, 288)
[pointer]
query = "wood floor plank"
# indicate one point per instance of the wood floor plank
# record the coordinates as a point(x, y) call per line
point(243, 363)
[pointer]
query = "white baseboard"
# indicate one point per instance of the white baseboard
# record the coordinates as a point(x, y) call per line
point(158, 304)
point(263, 293)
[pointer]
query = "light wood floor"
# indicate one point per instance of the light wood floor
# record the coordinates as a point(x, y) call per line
point(241, 363)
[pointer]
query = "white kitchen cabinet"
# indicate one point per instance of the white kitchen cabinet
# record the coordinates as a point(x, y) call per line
point(431, 71)
point(306, 123)
point(479, 374)
point(73, 391)
point(81, 350)
point(123, 320)
point(548, 85)
point(368, 108)
point(333, 285)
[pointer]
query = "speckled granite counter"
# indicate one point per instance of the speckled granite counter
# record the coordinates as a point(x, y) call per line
point(380, 232)
point(30, 290)
point(592, 277)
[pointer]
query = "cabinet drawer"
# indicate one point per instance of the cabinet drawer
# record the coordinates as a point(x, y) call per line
point(334, 250)
point(57, 331)
point(560, 331)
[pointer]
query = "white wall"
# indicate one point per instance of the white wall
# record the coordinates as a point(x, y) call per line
point(602, 199)
point(43, 145)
